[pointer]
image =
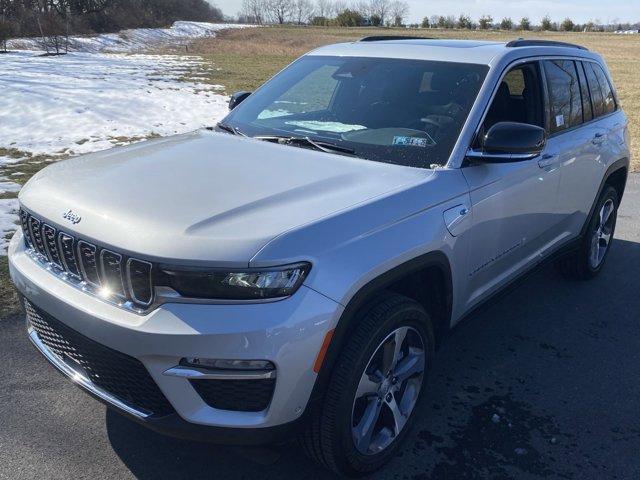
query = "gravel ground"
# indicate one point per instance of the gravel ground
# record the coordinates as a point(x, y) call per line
point(541, 384)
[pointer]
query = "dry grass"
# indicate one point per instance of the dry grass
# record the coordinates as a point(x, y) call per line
point(243, 59)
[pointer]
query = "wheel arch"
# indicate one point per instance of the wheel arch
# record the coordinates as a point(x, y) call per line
point(615, 176)
point(433, 268)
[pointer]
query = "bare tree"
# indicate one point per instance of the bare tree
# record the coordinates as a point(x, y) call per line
point(381, 9)
point(280, 11)
point(303, 11)
point(398, 10)
point(323, 8)
point(253, 11)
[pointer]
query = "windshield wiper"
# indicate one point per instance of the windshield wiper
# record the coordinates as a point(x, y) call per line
point(230, 129)
point(323, 146)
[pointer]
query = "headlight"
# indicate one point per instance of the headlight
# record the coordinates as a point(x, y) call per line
point(249, 284)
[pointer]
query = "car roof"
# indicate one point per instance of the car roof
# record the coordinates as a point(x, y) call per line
point(482, 52)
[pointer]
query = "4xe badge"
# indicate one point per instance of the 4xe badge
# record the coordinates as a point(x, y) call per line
point(72, 217)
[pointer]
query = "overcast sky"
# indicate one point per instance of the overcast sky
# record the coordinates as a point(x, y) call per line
point(607, 11)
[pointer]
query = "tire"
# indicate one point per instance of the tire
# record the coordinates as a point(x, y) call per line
point(330, 437)
point(584, 263)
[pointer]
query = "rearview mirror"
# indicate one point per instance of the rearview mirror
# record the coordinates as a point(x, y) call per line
point(237, 98)
point(510, 142)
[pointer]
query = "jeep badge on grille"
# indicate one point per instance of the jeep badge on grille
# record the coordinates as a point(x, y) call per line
point(72, 217)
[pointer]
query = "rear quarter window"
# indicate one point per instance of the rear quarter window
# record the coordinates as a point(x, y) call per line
point(605, 88)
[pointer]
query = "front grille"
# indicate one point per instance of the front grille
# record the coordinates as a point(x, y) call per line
point(99, 271)
point(120, 375)
point(236, 395)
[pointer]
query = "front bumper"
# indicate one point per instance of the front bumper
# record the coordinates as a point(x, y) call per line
point(288, 333)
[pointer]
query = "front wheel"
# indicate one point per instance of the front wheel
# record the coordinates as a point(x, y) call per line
point(588, 260)
point(374, 390)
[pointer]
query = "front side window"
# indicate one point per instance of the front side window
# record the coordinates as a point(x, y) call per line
point(406, 112)
point(565, 101)
point(518, 98)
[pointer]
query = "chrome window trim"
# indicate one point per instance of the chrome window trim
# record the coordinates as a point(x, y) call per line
point(122, 273)
point(81, 263)
point(130, 286)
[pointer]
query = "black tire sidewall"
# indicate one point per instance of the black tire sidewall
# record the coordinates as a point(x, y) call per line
point(352, 462)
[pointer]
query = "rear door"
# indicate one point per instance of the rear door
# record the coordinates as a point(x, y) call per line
point(569, 146)
point(585, 159)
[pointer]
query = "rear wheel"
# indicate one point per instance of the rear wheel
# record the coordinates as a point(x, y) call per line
point(375, 387)
point(588, 260)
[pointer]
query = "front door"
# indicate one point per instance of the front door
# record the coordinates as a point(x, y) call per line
point(514, 203)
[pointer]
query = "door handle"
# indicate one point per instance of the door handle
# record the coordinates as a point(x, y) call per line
point(548, 160)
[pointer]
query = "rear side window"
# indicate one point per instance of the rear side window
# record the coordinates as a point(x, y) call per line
point(594, 89)
point(609, 102)
point(587, 113)
point(565, 101)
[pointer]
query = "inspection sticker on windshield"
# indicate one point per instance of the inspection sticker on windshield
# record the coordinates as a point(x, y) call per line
point(414, 141)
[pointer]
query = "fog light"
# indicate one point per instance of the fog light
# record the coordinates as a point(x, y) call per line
point(223, 364)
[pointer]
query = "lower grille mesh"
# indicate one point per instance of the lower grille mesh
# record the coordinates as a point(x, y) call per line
point(236, 395)
point(122, 376)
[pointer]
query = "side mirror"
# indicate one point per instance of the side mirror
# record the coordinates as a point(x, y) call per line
point(510, 142)
point(237, 98)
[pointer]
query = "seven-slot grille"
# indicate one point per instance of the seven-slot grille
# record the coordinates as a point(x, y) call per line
point(107, 272)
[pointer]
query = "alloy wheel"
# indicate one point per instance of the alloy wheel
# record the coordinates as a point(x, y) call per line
point(601, 238)
point(388, 390)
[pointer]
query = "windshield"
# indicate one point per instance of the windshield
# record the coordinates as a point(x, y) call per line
point(406, 112)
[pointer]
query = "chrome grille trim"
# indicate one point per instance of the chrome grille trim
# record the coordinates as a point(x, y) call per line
point(119, 275)
point(51, 246)
point(130, 283)
point(70, 265)
point(84, 268)
point(35, 228)
point(24, 223)
point(69, 255)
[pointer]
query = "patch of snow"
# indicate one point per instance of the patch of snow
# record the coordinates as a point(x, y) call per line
point(82, 102)
point(8, 219)
point(8, 186)
point(134, 40)
point(4, 160)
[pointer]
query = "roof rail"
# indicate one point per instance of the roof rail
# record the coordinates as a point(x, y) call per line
point(521, 42)
point(380, 38)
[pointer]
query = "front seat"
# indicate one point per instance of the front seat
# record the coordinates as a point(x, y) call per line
point(499, 111)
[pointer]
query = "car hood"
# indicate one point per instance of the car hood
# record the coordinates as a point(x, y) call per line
point(203, 197)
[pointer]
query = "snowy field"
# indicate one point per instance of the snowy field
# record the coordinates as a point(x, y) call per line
point(89, 100)
point(139, 39)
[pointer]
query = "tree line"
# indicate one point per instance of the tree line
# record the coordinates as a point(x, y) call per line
point(356, 13)
point(54, 20)
point(325, 12)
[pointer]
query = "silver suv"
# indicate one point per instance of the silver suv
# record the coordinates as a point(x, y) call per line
point(292, 270)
